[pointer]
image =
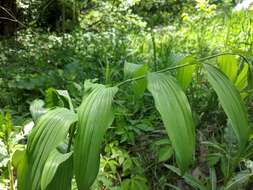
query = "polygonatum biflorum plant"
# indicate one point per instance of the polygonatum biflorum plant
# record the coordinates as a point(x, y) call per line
point(65, 142)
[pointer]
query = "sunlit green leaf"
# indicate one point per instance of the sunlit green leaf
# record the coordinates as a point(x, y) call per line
point(228, 65)
point(19, 161)
point(184, 74)
point(242, 79)
point(132, 70)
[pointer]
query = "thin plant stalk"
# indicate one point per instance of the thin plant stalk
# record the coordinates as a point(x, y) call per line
point(154, 51)
point(10, 172)
point(107, 73)
point(184, 65)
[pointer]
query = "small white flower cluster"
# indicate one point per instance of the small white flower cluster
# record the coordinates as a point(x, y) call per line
point(28, 127)
point(245, 5)
point(249, 164)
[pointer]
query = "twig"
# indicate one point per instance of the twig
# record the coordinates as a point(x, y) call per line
point(13, 18)
point(5, 18)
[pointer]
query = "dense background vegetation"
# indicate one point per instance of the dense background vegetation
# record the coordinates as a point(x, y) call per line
point(59, 44)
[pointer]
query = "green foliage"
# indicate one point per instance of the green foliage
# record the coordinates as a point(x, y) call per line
point(228, 65)
point(184, 75)
point(237, 181)
point(242, 79)
point(231, 102)
point(94, 117)
point(116, 163)
point(195, 183)
point(175, 110)
point(58, 171)
point(165, 151)
point(116, 43)
point(37, 109)
point(6, 127)
point(134, 183)
point(132, 70)
point(50, 131)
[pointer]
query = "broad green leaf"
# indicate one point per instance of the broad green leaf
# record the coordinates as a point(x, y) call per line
point(59, 98)
point(65, 95)
point(37, 109)
point(49, 132)
point(88, 87)
point(172, 104)
point(231, 102)
point(165, 152)
point(184, 74)
point(228, 65)
point(17, 156)
point(132, 70)
point(189, 179)
point(52, 99)
point(19, 161)
point(95, 115)
point(58, 171)
point(63, 177)
point(242, 79)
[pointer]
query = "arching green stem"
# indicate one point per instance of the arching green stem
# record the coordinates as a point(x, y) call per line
point(184, 65)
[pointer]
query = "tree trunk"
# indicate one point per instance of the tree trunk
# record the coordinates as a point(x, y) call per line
point(8, 15)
